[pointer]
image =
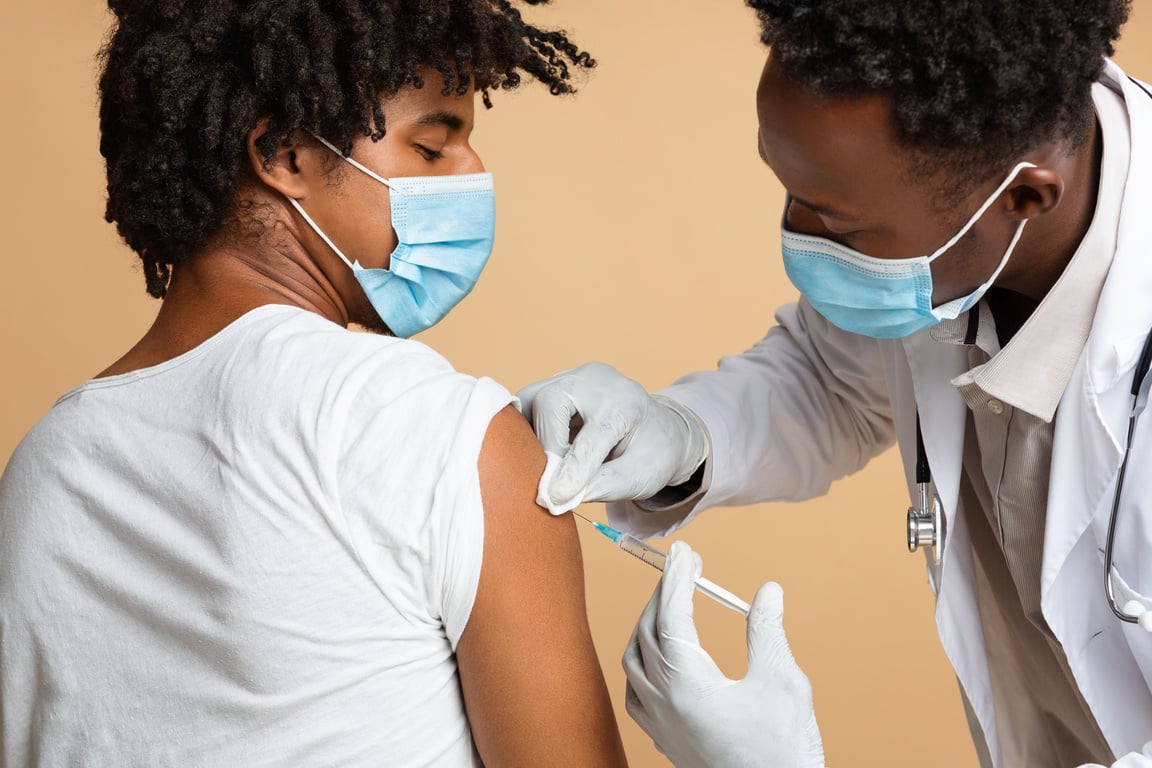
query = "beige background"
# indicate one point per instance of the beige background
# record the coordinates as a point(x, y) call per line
point(637, 227)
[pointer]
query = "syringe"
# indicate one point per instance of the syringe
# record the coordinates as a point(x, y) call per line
point(656, 558)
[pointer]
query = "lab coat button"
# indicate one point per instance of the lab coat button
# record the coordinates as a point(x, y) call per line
point(995, 406)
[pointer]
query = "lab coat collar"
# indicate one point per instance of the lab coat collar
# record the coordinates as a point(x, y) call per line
point(1124, 314)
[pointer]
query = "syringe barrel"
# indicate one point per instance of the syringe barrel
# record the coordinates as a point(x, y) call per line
point(637, 548)
point(656, 558)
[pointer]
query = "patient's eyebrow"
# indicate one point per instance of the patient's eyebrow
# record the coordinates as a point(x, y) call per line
point(449, 120)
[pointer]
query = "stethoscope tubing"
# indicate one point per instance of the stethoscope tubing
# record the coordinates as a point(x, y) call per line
point(1116, 609)
point(1139, 401)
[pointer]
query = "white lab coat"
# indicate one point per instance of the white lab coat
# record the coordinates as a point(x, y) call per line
point(811, 403)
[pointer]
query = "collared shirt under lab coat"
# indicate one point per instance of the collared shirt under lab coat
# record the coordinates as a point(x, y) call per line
point(810, 404)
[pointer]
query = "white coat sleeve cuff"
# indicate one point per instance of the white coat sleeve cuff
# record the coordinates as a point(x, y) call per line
point(656, 520)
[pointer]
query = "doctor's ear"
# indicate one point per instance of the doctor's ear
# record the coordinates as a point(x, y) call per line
point(1034, 192)
point(292, 166)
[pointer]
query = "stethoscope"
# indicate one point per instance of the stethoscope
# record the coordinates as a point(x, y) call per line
point(926, 523)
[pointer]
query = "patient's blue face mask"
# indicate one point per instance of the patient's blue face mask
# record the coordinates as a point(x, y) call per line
point(445, 226)
point(881, 298)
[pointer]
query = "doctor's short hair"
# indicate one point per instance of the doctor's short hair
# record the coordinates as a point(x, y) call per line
point(184, 81)
point(975, 82)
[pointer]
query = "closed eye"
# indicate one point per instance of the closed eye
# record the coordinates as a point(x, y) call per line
point(428, 153)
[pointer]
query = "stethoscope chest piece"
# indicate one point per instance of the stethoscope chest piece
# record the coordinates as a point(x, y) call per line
point(926, 519)
point(926, 524)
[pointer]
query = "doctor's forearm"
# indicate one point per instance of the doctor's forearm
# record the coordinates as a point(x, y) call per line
point(782, 420)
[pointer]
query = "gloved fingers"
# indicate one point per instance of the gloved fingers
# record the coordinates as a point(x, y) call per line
point(657, 670)
point(591, 446)
point(631, 476)
point(646, 720)
point(552, 411)
point(814, 741)
point(677, 585)
point(637, 673)
point(635, 708)
point(527, 395)
point(526, 400)
point(768, 650)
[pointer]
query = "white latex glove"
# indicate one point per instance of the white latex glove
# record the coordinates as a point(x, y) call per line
point(698, 717)
point(652, 441)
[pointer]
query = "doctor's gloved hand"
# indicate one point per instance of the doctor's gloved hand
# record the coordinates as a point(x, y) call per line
point(697, 716)
point(652, 441)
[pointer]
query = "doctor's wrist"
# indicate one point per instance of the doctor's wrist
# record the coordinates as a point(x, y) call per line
point(696, 446)
point(674, 495)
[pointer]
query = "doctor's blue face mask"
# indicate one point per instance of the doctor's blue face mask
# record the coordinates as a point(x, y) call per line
point(445, 226)
point(881, 298)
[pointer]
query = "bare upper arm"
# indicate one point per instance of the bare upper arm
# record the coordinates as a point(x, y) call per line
point(533, 688)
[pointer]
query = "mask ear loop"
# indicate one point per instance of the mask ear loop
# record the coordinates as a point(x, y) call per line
point(315, 228)
point(980, 212)
point(354, 163)
point(1004, 261)
point(300, 209)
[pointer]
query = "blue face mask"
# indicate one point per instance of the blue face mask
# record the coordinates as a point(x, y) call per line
point(445, 226)
point(881, 298)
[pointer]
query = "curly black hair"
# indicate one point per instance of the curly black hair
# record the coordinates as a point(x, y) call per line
point(184, 82)
point(978, 81)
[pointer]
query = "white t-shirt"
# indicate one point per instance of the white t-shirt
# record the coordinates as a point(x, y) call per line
point(259, 553)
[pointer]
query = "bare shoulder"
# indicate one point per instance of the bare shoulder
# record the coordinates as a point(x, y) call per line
point(526, 656)
point(511, 459)
point(511, 462)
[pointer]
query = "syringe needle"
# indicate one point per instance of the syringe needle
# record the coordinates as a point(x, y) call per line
point(656, 558)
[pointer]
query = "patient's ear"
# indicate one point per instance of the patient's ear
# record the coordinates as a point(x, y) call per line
point(287, 170)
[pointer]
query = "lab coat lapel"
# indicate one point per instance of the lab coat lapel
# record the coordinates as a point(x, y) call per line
point(943, 416)
point(1085, 461)
point(1092, 419)
point(1091, 425)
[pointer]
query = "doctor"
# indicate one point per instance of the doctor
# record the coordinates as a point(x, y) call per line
point(969, 223)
